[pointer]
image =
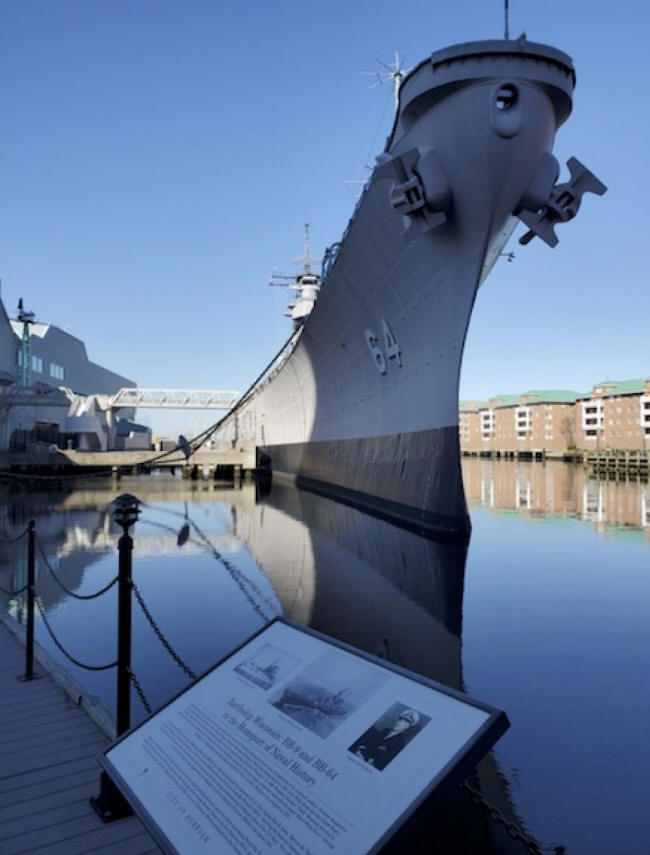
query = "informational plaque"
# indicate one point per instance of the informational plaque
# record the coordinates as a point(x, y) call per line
point(296, 744)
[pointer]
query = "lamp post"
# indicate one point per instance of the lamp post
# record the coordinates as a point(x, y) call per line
point(110, 804)
point(25, 318)
point(125, 512)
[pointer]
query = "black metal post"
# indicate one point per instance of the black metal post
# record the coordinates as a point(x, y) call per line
point(31, 583)
point(110, 804)
point(30, 674)
point(123, 704)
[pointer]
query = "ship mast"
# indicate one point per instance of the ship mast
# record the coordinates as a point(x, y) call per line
point(306, 258)
point(306, 284)
point(395, 72)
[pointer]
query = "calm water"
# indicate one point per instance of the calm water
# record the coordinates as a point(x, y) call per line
point(544, 615)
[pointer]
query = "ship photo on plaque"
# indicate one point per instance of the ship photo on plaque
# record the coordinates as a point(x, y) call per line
point(267, 666)
point(389, 735)
point(323, 695)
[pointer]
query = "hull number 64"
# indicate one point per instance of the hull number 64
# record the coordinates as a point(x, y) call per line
point(390, 352)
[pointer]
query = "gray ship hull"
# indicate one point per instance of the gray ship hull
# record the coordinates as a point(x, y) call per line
point(363, 404)
point(359, 472)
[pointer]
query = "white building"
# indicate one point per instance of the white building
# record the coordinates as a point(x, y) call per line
point(65, 398)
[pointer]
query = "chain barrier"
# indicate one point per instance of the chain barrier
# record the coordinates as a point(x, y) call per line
point(67, 590)
point(497, 816)
point(41, 610)
point(13, 593)
point(140, 691)
point(238, 576)
point(177, 659)
point(201, 438)
point(9, 540)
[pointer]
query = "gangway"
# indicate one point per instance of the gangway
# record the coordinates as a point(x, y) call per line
point(174, 399)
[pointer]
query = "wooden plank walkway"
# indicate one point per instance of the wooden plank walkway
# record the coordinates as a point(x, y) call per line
point(49, 770)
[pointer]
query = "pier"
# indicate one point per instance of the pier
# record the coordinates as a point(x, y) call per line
point(49, 767)
point(221, 459)
point(618, 464)
point(606, 463)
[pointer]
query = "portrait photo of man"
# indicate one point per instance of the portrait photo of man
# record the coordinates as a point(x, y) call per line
point(382, 742)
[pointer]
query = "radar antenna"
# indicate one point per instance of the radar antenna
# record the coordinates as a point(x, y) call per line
point(305, 259)
point(395, 72)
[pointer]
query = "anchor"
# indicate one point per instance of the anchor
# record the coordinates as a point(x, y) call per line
point(562, 204)
point(420, 190)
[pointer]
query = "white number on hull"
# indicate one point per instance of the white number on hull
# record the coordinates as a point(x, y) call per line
point(392, 347)
point(377, 354)
point(393, 350)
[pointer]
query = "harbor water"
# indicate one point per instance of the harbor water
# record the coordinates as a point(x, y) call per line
point(544, 614)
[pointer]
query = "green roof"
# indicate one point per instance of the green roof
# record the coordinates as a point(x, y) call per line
point(505, 401)
point(557, 396)
point(552, 396)
point(619, 387)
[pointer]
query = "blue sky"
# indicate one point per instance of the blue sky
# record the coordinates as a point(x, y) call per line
point(159, 159)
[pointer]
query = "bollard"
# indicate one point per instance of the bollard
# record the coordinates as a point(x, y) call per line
point(31, 586)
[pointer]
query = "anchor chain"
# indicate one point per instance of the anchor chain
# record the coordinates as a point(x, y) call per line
point(497, 816)
point(152, 623)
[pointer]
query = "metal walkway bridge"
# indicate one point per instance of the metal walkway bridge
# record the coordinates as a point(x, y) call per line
point(174, 399)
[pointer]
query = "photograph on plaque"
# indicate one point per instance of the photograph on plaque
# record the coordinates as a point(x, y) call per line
point(389, 735)
point(324, 694)
point(267, 666)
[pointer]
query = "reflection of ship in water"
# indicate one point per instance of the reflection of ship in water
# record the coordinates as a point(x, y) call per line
point(387, 591)
point(362, 580)
point(313, 701)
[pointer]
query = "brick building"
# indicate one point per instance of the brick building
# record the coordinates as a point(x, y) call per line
point(535, 422)
point(614, 415)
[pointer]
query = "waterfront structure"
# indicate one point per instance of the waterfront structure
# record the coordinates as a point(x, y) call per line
point(529, 423)
point(362, 403)
point(614, 416)
point(48, 389)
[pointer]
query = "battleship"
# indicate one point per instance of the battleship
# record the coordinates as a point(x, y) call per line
point(361, 404)
point(313, 702)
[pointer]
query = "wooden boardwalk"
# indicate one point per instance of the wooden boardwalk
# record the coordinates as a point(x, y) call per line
point(49, 770)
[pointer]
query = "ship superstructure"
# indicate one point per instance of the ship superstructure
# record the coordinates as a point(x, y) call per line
point(363, 404)
point(306, 285)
